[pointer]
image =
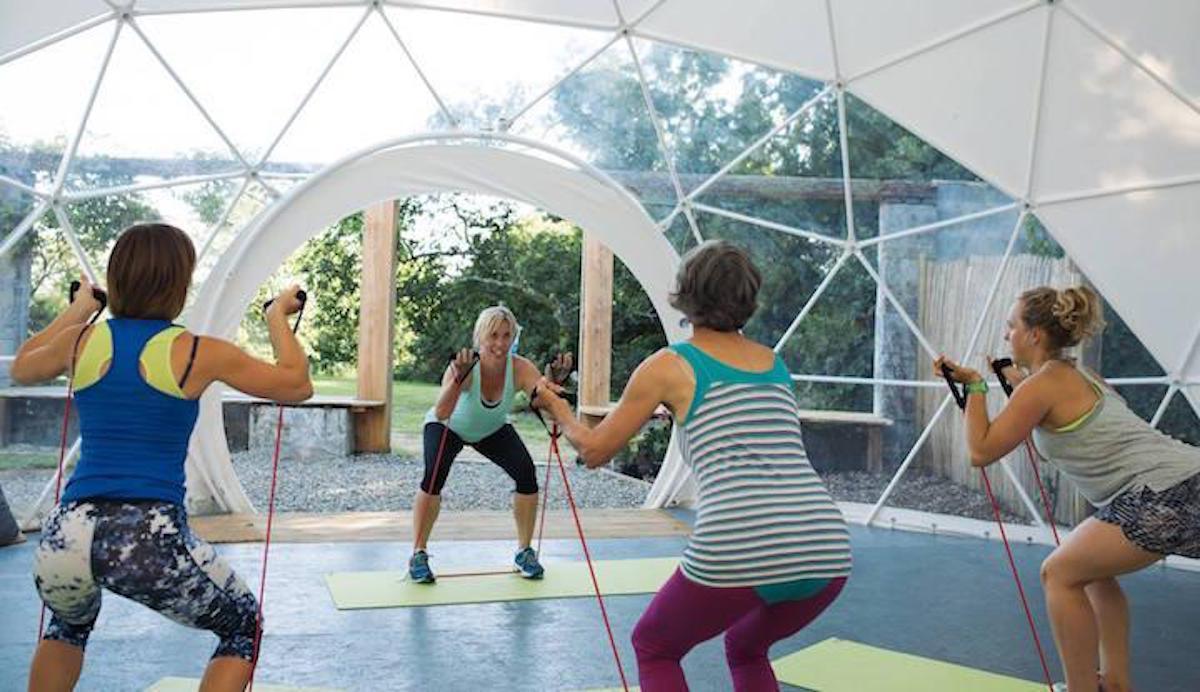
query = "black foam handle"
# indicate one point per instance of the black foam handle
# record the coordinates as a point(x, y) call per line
point(474, 360)
point(998, 366)
point(960, 397)
point(300, 296)
point(97, 293)
point(567, 375)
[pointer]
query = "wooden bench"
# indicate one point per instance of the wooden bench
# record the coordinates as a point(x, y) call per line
point(249, 420)
point(826, 454)
point(821, 429)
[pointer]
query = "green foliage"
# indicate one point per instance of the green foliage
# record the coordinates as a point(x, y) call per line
point(96, 222)
point(330, 268)
point(644, 453)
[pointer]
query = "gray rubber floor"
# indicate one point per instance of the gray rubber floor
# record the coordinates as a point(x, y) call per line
point(941, 597)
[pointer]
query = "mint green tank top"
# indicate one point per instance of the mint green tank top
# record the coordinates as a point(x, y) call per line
point(473, 418)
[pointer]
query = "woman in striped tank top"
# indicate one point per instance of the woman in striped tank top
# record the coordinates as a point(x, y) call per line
point(769, 550)
point(1144, 484)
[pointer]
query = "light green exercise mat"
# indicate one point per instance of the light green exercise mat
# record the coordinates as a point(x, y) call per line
point(193, 684)
point(837, 665)
point(353, 590)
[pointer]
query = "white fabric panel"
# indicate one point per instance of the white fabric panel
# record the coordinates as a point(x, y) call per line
point(632, 10)
point(25, 21)
point(790, 35)
point(585, 196)
point(598, 13)
point(1140, 250)
point(1105, 122)
point(973, 98)
point(870, 33)
point(228, 5)
point(1164, 40)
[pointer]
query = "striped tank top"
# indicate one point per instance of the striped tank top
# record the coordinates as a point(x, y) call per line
point(763, 514)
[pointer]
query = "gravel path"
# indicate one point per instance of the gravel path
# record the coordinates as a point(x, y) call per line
point(385, 482)
point(917, 490)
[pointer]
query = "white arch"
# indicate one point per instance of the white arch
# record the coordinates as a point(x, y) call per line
point(484, 163)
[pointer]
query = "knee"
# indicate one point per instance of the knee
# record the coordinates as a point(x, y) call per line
point(645, 643)
point(527, 486)
point(1056, 573)
point(241, 639)
point(739, 650)
point(1049, 571)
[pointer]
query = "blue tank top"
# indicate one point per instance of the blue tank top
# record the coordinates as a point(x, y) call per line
point(134, 435)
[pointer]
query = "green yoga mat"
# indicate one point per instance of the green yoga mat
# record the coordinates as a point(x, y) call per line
point(354, 590)
point(837, 665)
point(193, 684)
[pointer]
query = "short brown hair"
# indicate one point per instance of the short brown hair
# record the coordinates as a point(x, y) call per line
point(1067, 316)
point(149, 272)
point(717, 286)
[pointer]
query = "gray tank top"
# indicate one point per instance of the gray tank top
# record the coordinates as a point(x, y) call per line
point(1114, 451)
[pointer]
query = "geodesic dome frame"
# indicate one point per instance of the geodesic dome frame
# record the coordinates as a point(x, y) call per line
point(1084, 113)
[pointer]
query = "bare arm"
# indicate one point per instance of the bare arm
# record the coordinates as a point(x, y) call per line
point(286, 380)
point(47, 354)
point(457, 375)
point(987, 440)
point(649, 386)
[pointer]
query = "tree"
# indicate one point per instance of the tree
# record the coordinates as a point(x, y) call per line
point(96, 222)
point(712, 109)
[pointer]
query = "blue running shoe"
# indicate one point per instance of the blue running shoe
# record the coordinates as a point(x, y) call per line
point(418, 568)
point(527, 564)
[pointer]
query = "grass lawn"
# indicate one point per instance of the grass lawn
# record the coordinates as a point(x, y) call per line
point(27, 460)
point(410, 401)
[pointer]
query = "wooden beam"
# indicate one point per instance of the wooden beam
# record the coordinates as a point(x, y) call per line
point(376, 328)
point(595, 325)
point(654, 187)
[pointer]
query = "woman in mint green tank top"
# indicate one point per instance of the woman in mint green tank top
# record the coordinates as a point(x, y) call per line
point(769, 550)
point(472, 409)
point(1144, 484)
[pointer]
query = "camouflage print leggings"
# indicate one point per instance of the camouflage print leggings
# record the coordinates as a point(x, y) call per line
point(144, 551)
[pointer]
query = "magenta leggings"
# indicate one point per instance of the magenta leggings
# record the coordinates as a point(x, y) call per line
point(685, 613)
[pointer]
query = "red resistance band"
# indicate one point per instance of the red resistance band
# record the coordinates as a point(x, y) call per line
point(960, 398)
point(262, 582)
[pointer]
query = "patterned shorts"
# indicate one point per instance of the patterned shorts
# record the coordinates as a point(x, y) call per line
point(144, 551)
point(1167, 522)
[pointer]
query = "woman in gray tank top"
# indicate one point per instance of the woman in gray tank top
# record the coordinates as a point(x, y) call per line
point(1144, 484)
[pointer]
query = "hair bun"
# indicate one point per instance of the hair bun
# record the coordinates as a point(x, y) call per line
point(1077, 310)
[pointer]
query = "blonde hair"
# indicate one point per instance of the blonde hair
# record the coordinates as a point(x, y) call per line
point(1067, 316)
point(492, 316)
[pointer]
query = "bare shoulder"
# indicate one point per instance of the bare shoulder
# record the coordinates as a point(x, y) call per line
point(665, 364)
point(1050, 382)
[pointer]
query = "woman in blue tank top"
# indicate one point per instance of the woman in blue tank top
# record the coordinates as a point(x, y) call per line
point(121, 525)
point(472, 409)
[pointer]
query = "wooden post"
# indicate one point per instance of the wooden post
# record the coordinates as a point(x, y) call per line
point(376, 328)
point(595, 326)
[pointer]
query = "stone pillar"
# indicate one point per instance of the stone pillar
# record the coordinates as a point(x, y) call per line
point(14, 303)
point(896, 348)
point(14, 320)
